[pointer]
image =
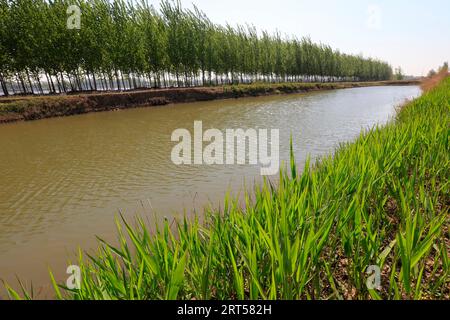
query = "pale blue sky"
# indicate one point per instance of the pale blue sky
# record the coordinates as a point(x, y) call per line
point(413, 34)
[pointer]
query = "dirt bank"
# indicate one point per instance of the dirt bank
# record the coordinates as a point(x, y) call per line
point(40, 107)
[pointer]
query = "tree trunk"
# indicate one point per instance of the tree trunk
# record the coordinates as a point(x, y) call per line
point(51, 85)
point(38, 80)
point(70, 82)
point(95, 81)
point(3, 84)
point(117, 79)
point(123, 81)
point(62, 82)
point(58, 83)
point(30, 82)
point(21, 84)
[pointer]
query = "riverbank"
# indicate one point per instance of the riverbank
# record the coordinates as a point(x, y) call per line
point(26, 108)
point(381, 203)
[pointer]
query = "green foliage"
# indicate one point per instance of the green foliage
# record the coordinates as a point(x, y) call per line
point(128, 44)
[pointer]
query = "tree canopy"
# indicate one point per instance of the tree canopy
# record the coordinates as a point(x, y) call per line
point(126, 45)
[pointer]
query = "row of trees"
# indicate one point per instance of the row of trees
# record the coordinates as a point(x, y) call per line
point(442, 69)
point(124, 45)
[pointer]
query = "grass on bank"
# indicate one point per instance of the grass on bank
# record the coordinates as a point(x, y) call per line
point(382, 200)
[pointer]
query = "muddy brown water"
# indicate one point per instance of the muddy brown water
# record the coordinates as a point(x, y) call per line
point(63, 180)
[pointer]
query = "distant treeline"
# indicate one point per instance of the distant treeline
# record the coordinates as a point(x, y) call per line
point(124, 45)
